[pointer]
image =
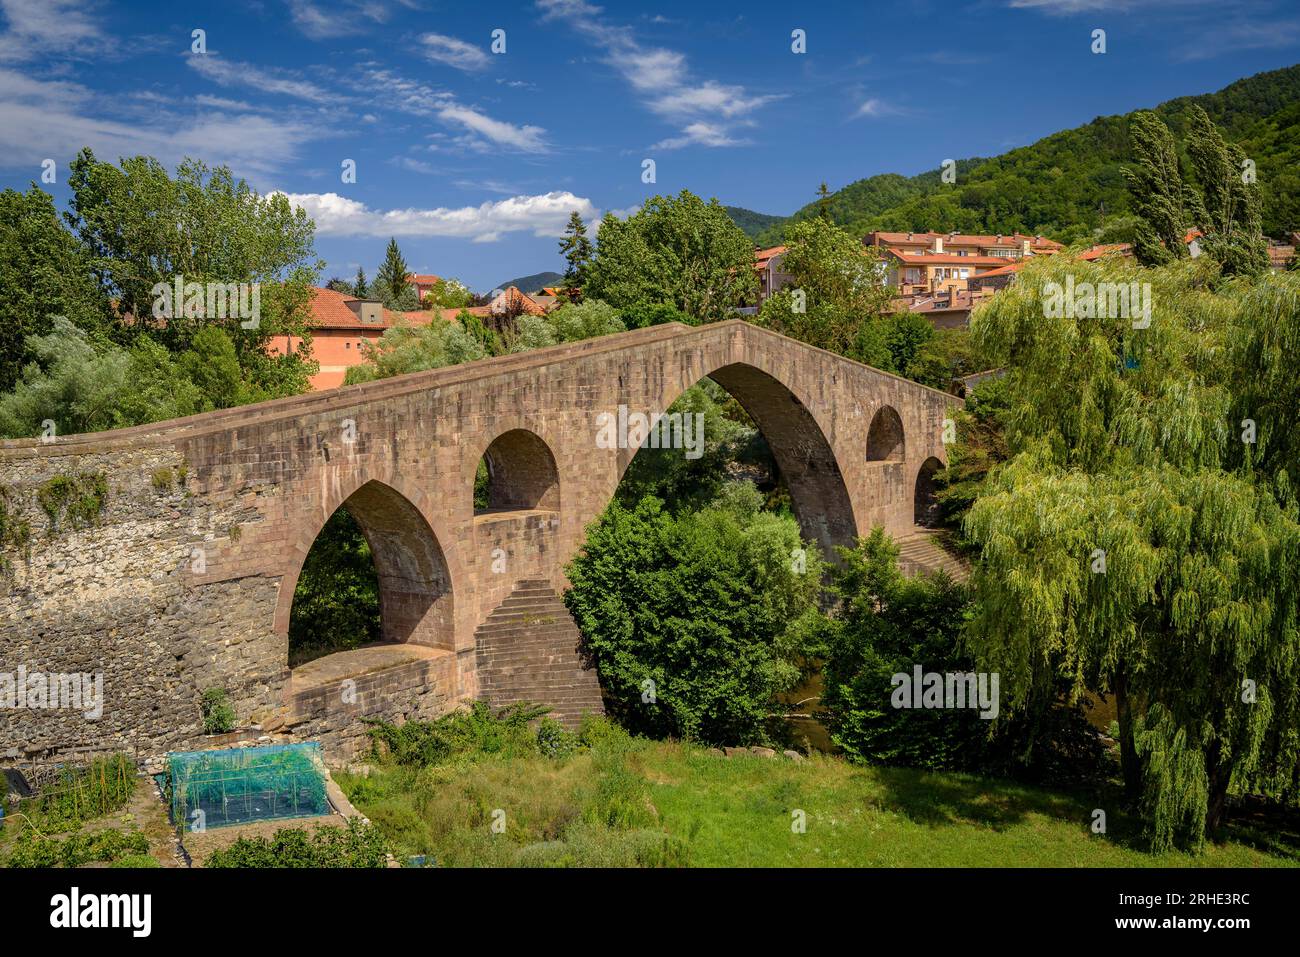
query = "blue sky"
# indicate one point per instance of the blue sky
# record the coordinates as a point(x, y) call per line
point(473, 159)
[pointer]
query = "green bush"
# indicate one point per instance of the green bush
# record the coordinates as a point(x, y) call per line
point(218, 713)
point(34, 850)
point(136, 861)
point(887, 625)
point(697, 622)
point(553, 741)
point(358, 845)
point(472, 732)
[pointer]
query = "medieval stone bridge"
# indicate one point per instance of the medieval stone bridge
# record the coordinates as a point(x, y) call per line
point(186, 580)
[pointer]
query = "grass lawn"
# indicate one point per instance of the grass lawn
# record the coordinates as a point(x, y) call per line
point(668, 803)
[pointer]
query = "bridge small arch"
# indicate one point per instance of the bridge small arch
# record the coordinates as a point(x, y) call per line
point(415, 593)
point(925, 504)
point(520, 474)
point(886, 441)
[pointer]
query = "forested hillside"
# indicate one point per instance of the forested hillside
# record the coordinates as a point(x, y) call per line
point(1068, 185)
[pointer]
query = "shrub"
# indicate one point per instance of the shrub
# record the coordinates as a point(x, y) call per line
point(34, 850)
point(471, 732)
point(708, 607)
point(358, 845)
point(888, 624)
point(218, 713)
point(553, 741)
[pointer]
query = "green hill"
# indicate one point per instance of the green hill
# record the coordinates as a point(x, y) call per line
point(750, 222)
point(1068, 185)
point(536, 281)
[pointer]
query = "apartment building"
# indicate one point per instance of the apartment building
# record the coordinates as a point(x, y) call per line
point(930, 263)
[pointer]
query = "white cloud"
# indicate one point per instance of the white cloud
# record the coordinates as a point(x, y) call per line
point(874, 107)
point(278, 82)
point(41, 27)
point(55, 119)
point(699, 134)
point(318, 24)
point(453, 52)
point(529, 139)
point(542, 215)
point(707, 109)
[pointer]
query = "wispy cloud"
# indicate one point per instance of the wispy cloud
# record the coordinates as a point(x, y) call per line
point(1239, 34)
point(40, 119)
point(527, 139)
point(542, 215)
point(453, 52)
point(226, 72)
point(707, 109)
point(874, 107)
point(37, 29)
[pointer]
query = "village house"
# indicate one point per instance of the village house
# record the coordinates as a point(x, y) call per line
point(931, 263)
point(340, 324)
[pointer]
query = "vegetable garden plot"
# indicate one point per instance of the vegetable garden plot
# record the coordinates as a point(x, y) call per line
point(239, 785)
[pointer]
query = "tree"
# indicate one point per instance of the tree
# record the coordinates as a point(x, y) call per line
point(1230, 213)
point(82, 388)
point(43, 274)
point(824, 202)
point(706, 607)
point(676, 250)
point(1156, 190)
point(141, 227)
point(360, 288)
point(836, 296)
point(391, 279)
point(402, 349)
point(576, 249)
point(1131, 547)
point(447, 294)
point(569, 323)
point(339, 285)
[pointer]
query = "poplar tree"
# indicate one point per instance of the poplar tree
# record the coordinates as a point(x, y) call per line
point(1156, 188)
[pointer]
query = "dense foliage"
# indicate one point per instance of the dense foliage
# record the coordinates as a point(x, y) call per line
point(675, 250)
point(336, 600)
point(697, 621)
point(1133, 544)
point(360, 844)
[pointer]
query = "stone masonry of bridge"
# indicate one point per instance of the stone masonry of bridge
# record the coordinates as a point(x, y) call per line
point(185, 581)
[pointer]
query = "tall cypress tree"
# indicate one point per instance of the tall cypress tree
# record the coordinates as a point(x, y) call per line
point(576, 248)
point(359, 288)
point(390, 280)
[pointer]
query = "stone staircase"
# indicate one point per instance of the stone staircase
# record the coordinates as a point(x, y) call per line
point(920, 552)
point(527, 650)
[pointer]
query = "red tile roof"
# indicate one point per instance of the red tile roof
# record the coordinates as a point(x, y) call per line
point(946, 259)
point(330, 310)
point(1036, 243)
point(423, 279)
point(763, 256)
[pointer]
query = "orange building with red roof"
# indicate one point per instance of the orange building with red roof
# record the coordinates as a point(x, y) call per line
point(339, 326)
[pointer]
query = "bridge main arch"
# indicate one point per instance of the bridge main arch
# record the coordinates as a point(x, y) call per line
point(804, 456)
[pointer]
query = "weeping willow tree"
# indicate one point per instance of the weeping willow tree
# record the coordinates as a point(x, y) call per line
point(1131, 545)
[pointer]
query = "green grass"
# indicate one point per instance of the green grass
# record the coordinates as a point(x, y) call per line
point(638, 803)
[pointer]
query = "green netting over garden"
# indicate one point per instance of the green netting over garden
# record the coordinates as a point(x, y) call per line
point(239, 785)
